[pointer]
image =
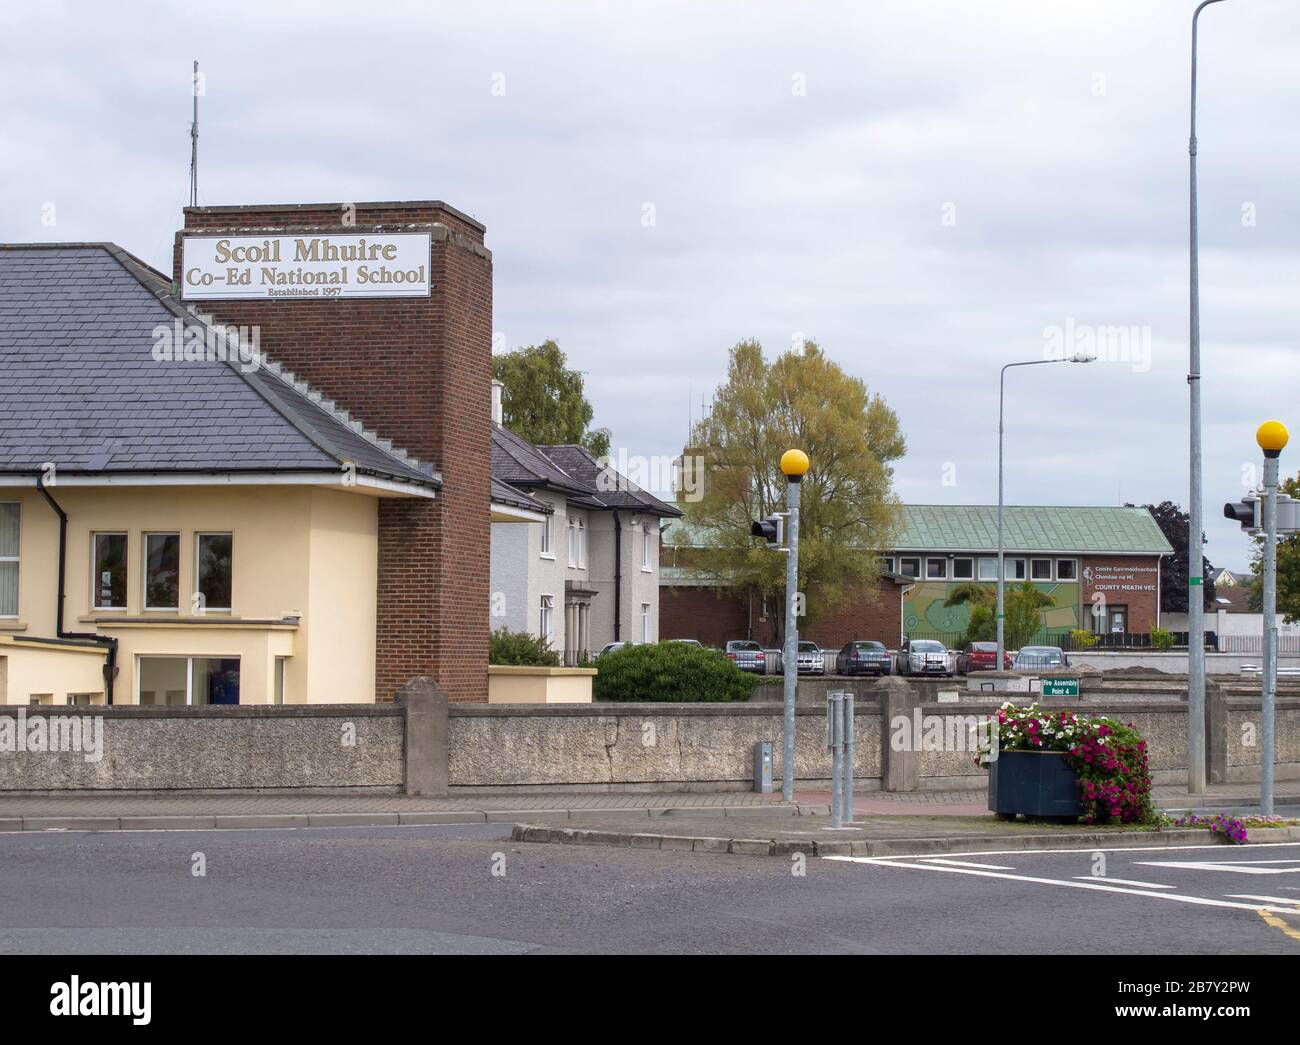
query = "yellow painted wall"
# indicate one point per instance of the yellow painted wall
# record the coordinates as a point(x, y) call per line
point(297, 551)
point(31, 670)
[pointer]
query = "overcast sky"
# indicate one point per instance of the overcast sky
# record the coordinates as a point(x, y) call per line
point(928, 189)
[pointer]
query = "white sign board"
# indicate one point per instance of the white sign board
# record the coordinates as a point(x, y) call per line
point(305, 265)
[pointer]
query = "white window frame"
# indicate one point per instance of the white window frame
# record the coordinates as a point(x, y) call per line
point(571, 532)
point(279, 686)
point(1033, 563)
point(582, 544)
point(144, 570)
point(902, 567)
point(991, 561)
point(645, 622)
point(887, 563)
point(17, 560)
point(189, 659)
point(969, 561)
point(647, 546)
point(1009, 562)
point(943, 563)
point(94, 568)
point(1075, 576)
point(198, 536)
point(548, 536)
point(546, 617)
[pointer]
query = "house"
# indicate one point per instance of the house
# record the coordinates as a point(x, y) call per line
point(1226, 578)
point(586, 573)
point(1100, 566)
point(261, 479)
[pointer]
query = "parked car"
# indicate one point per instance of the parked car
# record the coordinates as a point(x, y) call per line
point(1040, 658)
point(748, 656)
point(810, 660)
point(612, 647)
point(687, 642)
point(863, 658)
point(926, 657)
point(981, 656)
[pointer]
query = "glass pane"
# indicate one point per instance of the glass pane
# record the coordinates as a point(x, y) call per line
point(162, 571)
point(962, 569)
point(8, 530)
point(8, 589)
point(162, 680)
point(214, 570)
point(110, 571)
point(215, 680)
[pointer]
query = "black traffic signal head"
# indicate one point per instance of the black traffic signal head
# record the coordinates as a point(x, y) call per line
point(1245, 512)
point(771, 529)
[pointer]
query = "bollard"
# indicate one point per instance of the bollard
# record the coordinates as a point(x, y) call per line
point(835, 744)
point(846, 800)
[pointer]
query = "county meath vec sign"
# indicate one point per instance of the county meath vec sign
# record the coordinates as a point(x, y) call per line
point(305, 266)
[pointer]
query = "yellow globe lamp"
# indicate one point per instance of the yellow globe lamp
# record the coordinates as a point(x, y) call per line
point(794, 465)
point(1272, 436)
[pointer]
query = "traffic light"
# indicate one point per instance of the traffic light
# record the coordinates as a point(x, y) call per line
point(771, 529)
point(1246, 512)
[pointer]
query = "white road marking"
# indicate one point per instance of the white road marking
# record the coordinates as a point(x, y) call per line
point(1120, 881)
point(1293, 901)
point(1089, 849)
point(1200, 901)
point(963, 863)
point(1239, 867)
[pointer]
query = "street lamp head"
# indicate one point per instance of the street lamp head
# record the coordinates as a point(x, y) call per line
point(794, 465)
point(1272, 436)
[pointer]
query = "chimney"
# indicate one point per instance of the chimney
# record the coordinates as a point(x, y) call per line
point(497, 412)
point(404, 346)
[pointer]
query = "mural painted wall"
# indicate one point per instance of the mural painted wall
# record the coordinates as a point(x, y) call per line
point(925, 615)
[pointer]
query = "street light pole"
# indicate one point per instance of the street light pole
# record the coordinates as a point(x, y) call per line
point(1195, 529)
point(1002, 390)
point(1272, 437)
point(794, 465)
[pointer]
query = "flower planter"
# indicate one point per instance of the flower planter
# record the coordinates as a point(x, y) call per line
point(1035, 783)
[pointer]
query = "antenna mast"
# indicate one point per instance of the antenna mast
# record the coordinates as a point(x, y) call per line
point(194, 140)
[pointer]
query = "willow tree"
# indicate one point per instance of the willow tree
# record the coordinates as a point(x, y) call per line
point(848, 513)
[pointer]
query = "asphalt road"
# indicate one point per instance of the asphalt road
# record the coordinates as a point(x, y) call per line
point(434, 890)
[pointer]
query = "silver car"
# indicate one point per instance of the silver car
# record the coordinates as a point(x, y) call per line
point(926, 657)
point(1040, 658)
point(748, 656)
point(810, 660)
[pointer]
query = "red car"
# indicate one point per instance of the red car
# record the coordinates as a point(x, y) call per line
point(981, 656)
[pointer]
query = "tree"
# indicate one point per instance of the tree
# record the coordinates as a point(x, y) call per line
point(848, 510)
point(1023, 605)
point(543, 400)
point(1288, 567)
point(1173, 521)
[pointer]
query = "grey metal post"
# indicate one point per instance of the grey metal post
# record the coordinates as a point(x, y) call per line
point(835, 742)
point(790, 664)
point(1269, 689)
point(846, 801)
point(1195, 528)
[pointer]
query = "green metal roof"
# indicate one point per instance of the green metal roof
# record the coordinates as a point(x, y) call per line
point(974, 528)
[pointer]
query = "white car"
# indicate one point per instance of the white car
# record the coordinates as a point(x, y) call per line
point(926, 657)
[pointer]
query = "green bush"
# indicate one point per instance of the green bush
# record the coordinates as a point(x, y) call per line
point(521, 649)
point(1082, 638)
point(1162, 639)
point(670, 671)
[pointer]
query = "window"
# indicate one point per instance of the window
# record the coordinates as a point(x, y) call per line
point(909, 566)
point(645, 622)
point(109, 577)
point(187, 680)
point(573, 542)
point(1040, 569)
point(963, 569)
point(582, 544)
point(1015, 569)
point(548, 535)
point(546, 619)
point(1067, 569)
point(647, 548)
point(988, 569)
point(887, 563)
point(162, 565)
point(278, 696)
point(213, 570)
point(9, 559)
point(936, 569)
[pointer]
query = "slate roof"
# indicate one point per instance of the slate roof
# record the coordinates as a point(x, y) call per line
point(611, 488)
point(79, 384)
point(519, 463)
point(503, 493)
point(1087, 530)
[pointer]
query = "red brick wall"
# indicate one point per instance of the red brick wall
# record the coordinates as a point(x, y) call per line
point(716, 615)
point(1124, 580)
point(416, 371)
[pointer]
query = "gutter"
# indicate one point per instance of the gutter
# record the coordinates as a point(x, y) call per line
point(110, 665)
point(618, 573)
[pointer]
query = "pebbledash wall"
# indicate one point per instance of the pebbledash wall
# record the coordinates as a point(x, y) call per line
point(416, 370)
point(422, 745)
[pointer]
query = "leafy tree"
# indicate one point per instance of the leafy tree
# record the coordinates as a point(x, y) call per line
point(1172, 521)
point(543, 399)
point(848, 509)
point(1288, 567)
point(1022, 603)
